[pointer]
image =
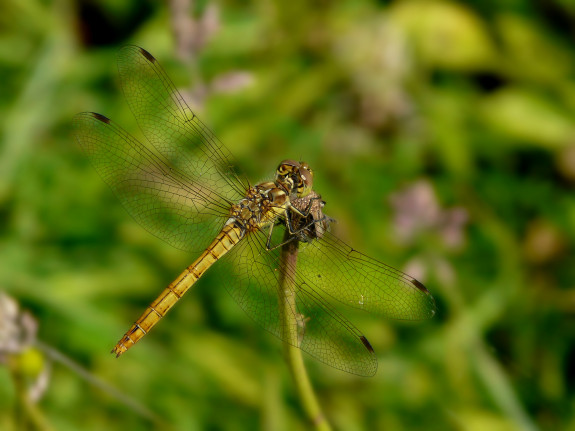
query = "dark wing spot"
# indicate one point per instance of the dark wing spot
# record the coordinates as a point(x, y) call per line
point(148, 56)
point(419, 285)
point(101, 118)
point(366, 344)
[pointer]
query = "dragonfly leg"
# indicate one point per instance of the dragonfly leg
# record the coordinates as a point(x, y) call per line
point(303, 214)
point(299, 230)
point(269, 246)
point(306, 211)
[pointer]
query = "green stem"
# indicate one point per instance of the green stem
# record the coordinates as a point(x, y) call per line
point(290, 318)
point(27, 414)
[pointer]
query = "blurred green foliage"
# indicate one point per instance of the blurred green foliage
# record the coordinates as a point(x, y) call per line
point(442, 138)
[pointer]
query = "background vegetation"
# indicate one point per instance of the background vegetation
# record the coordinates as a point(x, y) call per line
point(442, 137)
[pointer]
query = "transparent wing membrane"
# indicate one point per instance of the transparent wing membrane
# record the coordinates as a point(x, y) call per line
point(185, 214)
point(171, 126)
point(322, 331)
point(361, 282)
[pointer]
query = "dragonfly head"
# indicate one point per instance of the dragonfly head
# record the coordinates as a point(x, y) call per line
point(295, 177)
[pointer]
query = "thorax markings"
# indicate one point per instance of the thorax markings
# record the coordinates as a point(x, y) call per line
point(261, 206)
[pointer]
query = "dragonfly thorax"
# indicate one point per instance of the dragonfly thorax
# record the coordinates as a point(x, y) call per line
point(296, 178)
point(261, 206)
point(266, 201)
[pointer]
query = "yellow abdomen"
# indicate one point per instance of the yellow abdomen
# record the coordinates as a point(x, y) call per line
point(229, 236)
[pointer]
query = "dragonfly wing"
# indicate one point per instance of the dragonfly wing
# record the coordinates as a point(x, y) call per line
point(322, 331)
point(172, 128)
point(362, 282)
point(187, 215)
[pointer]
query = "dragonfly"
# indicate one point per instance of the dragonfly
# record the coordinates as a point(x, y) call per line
point(182, 185)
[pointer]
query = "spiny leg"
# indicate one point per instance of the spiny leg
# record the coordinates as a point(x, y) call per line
point(269, 240)
point(304, 214)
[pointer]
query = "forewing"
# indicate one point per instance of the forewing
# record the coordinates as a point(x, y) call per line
point(322, 332)
point(185, 214)
point(359, 281)
point(172, 128)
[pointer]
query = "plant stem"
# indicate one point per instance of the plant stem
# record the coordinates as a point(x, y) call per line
point(28, 415)
point(291, 327)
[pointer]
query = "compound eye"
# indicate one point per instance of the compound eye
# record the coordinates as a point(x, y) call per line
point(306, 173)
point(305, 167)
point(306, 177)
